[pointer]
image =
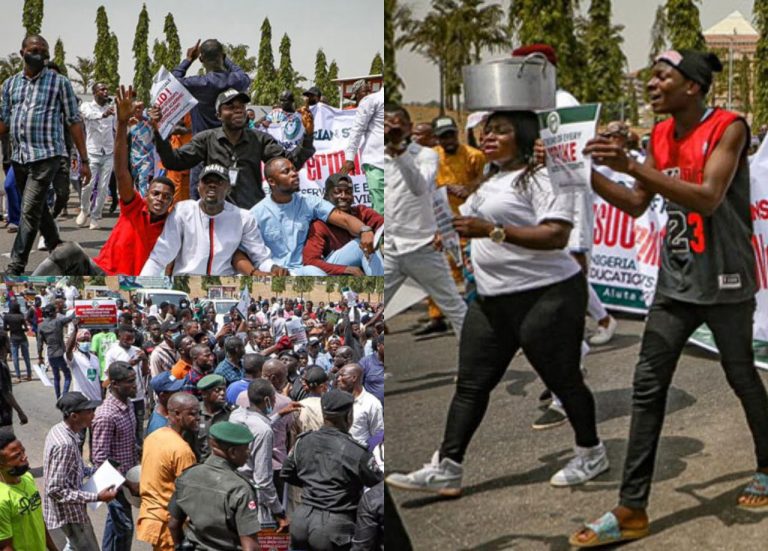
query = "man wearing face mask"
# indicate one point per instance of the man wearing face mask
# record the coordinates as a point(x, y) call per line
point(83, 364)
point(20, 502)
point(33, 102)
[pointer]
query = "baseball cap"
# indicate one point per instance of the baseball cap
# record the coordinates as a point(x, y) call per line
point(313, 341)
point(71, 402)
point(166, 382)
point(441, 125)
point(230, 95)
point(694, 65)
point(216, 170)
point(313, 91)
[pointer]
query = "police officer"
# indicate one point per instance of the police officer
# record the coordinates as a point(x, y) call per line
point(219, 503)
point(332, 469)
point(213, 409)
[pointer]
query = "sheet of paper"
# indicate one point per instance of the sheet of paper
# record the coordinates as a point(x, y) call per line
point(104, 477)
point(41, 375)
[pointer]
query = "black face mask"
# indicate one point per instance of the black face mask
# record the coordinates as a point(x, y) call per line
point(36, 62)
point(19, 471)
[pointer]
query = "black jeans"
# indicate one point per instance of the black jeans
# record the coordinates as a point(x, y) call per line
point(670, 324)
point(68, 259)
point(33, 181)
point(548, 324)
point(61, 187)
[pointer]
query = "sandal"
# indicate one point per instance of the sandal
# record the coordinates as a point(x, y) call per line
point(758, 487)
point(606, 530)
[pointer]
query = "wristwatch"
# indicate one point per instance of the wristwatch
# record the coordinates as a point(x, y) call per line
point(365, 229)
point(497, 234)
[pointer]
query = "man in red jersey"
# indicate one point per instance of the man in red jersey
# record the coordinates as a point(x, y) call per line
point(140, 223)
point(697, 160)
point(331, 248)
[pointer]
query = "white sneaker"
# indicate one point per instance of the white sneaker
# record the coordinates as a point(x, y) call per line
point(604, 334)
point(438, 477)
point(94, 225)
point(588, 463)
point(82, 219)
point(41, 244)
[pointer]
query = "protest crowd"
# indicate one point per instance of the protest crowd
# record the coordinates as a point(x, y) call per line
point(505, 261)
point(213, 432)
point(202, 189)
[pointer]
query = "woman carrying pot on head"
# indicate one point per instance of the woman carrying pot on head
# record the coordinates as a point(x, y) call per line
point(529, 289)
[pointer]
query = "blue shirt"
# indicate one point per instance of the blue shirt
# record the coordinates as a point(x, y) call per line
point(373, 376)
point(323, 360)
point(229, 371)
point(33, 109)
point(234, 390)
point(156, 421)
point(284, 227)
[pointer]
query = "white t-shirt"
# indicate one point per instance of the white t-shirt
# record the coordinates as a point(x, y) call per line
point(368, 416)
point(117, 353)
point(85, 374)
point(503, 268)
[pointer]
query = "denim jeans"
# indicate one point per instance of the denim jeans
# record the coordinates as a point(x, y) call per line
point(60, 365)
point(61, 188)
point(33, 181)
point(118, 530)
point(80, 537)
point(13, 197)
point(24, 345)
point(352, 255)
point(548, 324)
point(670, 324)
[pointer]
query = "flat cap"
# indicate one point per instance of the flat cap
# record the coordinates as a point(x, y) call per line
point(230, 433)
point(336, 401)
point(211, 381)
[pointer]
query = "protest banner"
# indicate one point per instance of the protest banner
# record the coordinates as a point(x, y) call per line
point(172, 98)
point(444, 218)
point(96, 313)
point(286, 128)
point(332, 130)
point(565, 133)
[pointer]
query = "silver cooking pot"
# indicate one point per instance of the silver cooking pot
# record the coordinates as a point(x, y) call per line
point(515, 83)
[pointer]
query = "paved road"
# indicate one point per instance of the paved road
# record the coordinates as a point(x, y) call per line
point(705, 454)
point(38, 402)
point(90, 240)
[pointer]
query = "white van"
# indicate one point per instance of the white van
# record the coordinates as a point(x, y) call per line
point(160, 295)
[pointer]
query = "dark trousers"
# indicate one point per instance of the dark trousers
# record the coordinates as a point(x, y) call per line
point(61, 188)
point(670, 324)
point(60, 365)
point(548, 324)
point(68, 259)
point(320, 530)
point(13, 196)
point(118, 530)
point(139, 410)
point(33, 181)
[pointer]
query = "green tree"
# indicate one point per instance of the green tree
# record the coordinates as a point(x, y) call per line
point(330, 287)
point(77, 281)
point(331, 91)
point(264, 87)
point(97, 280)
point(142, 75)
point(395, 17)
point(287, 76)
point(114, 61)
point(303, 284)
point(684, 25)
point(181, 283)
point(659, 34)
point(10, 65)
point(172, 42)
point(206, 282)
point(380, 288)
point(633, 108)
point(59, 57)
point(278, 284)
point(605, 60)
point(102, 50)
point(84, 71)
point(238, 54)
point(744, 79)
point(760, 101)
point(246, 282)
point(159, 56)
point(32, 16)
point(321, 71)
point(377, 65)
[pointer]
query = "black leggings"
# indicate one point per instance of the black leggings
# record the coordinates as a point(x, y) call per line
point(548, 324)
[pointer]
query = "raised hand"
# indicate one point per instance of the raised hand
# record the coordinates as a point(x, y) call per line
point(124, 104)
point(194, 52)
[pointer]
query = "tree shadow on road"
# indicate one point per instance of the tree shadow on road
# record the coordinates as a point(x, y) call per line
point(617, 402)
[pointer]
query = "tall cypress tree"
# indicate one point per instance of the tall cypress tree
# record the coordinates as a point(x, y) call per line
point(605, 60)
point(321, 70)
point(377, 65)
point(102, 48)
point(32, 16)
point(59, 57)
point(286, 74)
point(172, 42)
point(264, 88)
point(159, 56)
point(684, 25)
point(331, 91)
point(114, 61)
point(744, 79)
point(142, 76)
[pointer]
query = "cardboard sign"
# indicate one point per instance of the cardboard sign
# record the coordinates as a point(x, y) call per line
point(270, 540)
point(172, 98)
point(96, 312)
point(296, 330)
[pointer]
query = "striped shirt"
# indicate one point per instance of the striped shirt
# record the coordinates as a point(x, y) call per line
point(63, 471)
point(114, 434)
point(33, 108)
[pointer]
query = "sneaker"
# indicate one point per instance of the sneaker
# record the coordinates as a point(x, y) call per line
point(434, 326)
point(586, 465)
point(545, 397)
point(41, 244)
point(604, 334)
point(437, 477)
point(94, 225)
point(82, 219)
point(553, 417)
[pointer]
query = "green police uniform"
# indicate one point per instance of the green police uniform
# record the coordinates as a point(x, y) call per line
point(207, 420)
point(332, 469)
point(219, 503)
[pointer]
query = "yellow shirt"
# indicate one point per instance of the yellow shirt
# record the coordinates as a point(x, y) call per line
point(464, 168)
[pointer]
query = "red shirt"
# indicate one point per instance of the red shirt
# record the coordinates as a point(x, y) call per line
point(131, 240)
point(323, 239)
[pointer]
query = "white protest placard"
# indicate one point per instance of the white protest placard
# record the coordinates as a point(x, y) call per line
point(244, 303)
point(565, 132)
point(172, 98)
point(41, 375)
point(296, 331)
point(444, 219)
point(104, 477)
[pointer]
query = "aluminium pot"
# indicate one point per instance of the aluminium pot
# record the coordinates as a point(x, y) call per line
point(517, 83)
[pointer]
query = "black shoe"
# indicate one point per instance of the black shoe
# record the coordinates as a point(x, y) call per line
point(434, 326)
point(553, 417)
point(113, 207)
point(546, 396)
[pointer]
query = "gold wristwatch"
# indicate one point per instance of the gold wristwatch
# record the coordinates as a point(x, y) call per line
point(497, 234)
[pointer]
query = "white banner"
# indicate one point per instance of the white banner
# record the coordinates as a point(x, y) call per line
point(172, 98)
point(758, 177)
point(332, 130)
point(444, 218)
